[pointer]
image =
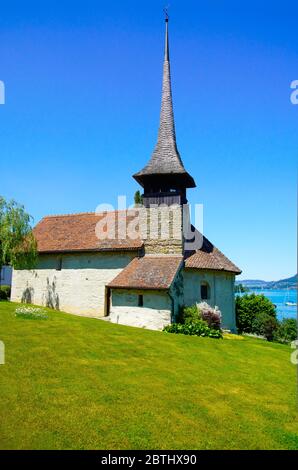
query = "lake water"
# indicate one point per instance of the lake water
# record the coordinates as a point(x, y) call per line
point(279, 297)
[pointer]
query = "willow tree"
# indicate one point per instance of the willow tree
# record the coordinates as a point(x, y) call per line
point(17, 243)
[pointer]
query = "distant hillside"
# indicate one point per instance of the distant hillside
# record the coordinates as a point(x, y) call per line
point(290, 282)
point(251, 283)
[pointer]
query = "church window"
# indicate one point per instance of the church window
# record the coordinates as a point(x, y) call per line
point(205, 291)
point(140, 300)
point(59, 264)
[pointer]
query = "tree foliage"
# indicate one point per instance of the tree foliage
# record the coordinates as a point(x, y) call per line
point(17, 243)
point(241, 288)
point(286, 331)
point(256, 314)
point(5, 292)
point(265, 325)
point(138, 198)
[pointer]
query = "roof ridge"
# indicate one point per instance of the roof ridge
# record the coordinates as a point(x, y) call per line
point(83, 213)
point(164, 255)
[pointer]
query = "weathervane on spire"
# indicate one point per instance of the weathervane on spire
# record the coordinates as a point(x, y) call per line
point(166, 10)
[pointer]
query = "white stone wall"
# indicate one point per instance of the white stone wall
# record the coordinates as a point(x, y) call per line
point(154, 315)
point(221, 292)
point(78, 288)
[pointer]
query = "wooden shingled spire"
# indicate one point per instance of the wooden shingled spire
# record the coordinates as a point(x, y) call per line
point(165, 170)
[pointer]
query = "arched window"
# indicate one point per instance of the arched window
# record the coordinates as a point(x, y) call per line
point(205, 291)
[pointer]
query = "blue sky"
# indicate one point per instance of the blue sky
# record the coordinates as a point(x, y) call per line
point(83, 83)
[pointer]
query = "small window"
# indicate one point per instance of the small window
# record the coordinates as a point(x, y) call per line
point(140, 300)
point(59, 264)
point(205, 291)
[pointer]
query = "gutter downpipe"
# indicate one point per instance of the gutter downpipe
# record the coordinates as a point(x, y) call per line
point(173, 306)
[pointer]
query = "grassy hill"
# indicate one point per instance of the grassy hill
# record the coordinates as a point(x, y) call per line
point(78, 383)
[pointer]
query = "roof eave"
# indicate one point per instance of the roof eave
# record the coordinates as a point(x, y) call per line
point(186, 179)
point(232, 271)
point(88, 250)
point(135, 287)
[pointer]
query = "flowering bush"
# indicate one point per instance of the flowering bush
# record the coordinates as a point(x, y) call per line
point(32, 313)
point(196, 327)
point(201, 311)
point(210, 315)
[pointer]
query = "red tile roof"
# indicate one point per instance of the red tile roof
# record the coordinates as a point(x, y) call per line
point(149, 272)
point(76, 232)
point(210, 257)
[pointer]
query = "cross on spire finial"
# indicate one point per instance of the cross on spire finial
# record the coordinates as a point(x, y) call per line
point(166, 12)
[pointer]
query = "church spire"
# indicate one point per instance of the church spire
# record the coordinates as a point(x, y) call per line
point(165, 164)
point(166, 141)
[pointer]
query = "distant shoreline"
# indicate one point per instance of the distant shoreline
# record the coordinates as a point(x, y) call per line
point(289, 283)
point(271, 288)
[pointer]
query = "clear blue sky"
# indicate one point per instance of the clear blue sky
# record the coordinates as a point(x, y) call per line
point(83, 83)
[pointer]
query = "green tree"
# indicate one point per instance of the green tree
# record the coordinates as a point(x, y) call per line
point(250, 309)
point(241, 288)
point(17, 243)
point(138, 198)
point(265, 325)
point(286, 331)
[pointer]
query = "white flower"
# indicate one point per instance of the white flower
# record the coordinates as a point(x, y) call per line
point(31, 312)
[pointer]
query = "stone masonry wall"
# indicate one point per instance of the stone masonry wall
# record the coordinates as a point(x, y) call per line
point(162, 229)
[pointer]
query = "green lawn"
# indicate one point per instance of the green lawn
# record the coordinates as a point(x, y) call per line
point(78, 383)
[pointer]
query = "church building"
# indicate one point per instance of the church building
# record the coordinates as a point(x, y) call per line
point(136, 267)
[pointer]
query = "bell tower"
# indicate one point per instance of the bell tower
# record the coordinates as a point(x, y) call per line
point(164, 178)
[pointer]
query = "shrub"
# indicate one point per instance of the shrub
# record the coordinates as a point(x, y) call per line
point(286, 331)
point(212, 316)
point(264, 325)
point(5, 292)
point(188, 314)
point(249, 307)
point(194, 328)
point(203, 311)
